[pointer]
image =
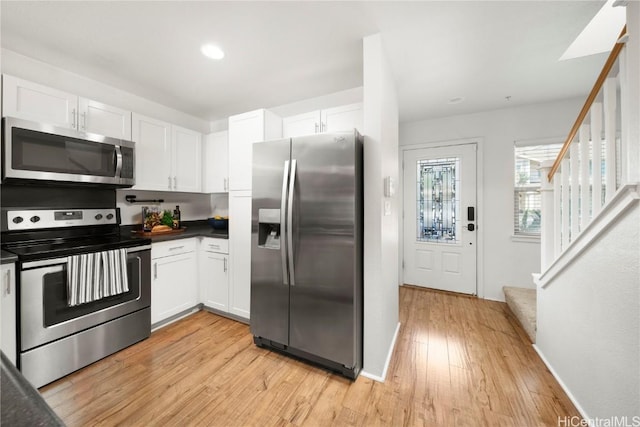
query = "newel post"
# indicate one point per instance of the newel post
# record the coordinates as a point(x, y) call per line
point(547, 232)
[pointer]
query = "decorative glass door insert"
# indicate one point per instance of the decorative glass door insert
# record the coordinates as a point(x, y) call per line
point(438, 204)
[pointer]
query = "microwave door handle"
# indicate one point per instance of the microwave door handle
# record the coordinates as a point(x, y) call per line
point(118, 161)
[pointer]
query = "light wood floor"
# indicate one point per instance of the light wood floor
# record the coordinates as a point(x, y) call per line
point(459, 361)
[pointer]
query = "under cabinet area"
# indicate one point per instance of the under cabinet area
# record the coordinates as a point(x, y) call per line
point(214, 273)
point(8, 312)
point(32, 101)
point(345, 117)
point(174, 278)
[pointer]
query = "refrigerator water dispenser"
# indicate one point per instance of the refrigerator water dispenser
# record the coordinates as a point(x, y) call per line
point(269, 228)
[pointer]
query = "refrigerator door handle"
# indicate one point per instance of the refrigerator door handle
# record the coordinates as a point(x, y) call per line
point(292, 183)
point(283, 218)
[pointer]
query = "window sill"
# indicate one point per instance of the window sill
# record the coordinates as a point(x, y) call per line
point(525, 239)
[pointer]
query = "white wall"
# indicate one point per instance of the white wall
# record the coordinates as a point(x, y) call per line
point(589, 323)
point(506, 262)
point(381, 232)
point(36, 71)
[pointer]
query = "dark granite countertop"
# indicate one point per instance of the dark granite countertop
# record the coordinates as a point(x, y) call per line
point(200, 228)
point(8, 257)
point(21, 403)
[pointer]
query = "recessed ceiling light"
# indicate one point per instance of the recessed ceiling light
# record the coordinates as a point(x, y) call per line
point(211, 51)
point(456, 100)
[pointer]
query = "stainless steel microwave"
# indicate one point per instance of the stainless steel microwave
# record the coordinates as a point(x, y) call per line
point(35, 151)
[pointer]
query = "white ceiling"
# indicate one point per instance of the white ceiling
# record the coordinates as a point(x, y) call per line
point(283, 52)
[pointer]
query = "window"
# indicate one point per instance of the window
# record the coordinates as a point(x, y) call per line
point(526, 198)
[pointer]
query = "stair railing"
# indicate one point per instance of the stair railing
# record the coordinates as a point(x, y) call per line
point(585, 175)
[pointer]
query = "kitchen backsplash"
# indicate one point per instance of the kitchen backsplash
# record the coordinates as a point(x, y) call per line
point(193, 206)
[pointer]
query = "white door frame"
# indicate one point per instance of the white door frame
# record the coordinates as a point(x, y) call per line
point(479, 204)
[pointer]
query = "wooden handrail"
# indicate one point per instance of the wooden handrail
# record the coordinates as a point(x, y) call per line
point(587, 105)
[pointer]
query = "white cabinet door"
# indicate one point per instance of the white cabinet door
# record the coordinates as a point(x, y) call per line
point(301, 124)
point(240, 253)
point(153, 153)
point(214, 282)
point(244, 130)
point(174, 284)
point(32, 101)
point(103, 119)
point(8, 312)
point(186, 160)
point(216, 163)
point(346, 117)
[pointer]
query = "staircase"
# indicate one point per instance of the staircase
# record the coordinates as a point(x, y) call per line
point(584, 315)
point(522, 303)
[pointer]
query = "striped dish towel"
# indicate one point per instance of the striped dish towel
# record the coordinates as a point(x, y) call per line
point(97, 275)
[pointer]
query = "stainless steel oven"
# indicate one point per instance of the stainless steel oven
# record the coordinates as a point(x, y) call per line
point(38, 152)
point(55, 337)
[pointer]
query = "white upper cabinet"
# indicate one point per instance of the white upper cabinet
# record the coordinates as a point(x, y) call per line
point(153, 153)
point(346, 117)
point(216, 163)
point(244, 130)
point(186, 160)
point(168, 157)
point(341, 118)
point(103, 119)
point(301, 124)
point(32, 101)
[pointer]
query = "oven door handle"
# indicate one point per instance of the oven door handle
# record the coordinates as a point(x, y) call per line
point(64, 260)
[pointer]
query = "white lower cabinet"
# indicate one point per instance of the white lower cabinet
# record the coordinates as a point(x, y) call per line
point(8, 312)
point(214, 273)
point(174, 283)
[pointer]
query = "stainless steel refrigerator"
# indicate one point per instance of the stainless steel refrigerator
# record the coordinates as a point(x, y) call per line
point(306, 249)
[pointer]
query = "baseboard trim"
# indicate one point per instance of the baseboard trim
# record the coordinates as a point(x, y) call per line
point(392, 347)
point(571, 397)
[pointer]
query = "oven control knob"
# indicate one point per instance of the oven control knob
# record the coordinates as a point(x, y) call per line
point(98, 217)
point(109, 216)
point(17, 220)
point(34, 218)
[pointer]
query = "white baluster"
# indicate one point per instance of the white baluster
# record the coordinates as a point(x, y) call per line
point(547, 235)
point(557, 212)
point(574, 160)
point(596, 161)
point(585, 198)
point(566, 225)
point(609, 92)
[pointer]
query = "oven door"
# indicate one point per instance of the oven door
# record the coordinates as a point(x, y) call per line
point(34, 151)
point(45, 315)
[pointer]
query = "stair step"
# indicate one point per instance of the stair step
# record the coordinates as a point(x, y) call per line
point(522, 303)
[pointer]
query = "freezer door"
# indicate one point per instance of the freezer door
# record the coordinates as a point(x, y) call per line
point(269, 278)
point(324, 296)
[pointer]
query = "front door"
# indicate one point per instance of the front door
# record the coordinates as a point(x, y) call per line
point(440, 218)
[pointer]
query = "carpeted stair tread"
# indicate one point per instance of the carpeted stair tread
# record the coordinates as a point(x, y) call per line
point(522, 302)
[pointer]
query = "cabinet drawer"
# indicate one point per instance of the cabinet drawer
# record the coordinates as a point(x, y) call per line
point(173, 247)
point(211, 244)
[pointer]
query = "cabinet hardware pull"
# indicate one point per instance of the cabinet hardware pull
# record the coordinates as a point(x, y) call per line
point(316, 127)
point(225, 265)
point(7, 278)
point(155, 270)
point(73, 118)
point(84, 121)
point(176, 247)
point(169, 183)
point(225, 185)
point(175, 182)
